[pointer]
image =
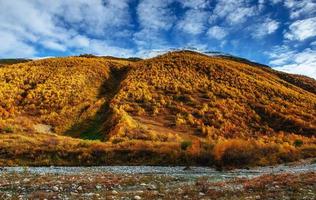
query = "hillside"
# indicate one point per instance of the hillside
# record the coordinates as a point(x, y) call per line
point(178, 108)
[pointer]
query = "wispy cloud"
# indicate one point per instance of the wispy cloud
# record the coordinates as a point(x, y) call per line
point(194, 22)
point(216, 32)
point(57, 25)
point(12, 46)
point(155, 14)
point(301, 8)
point(292, 61)
point(267, 27)
point(301, 29)
point(233, 11)
point(154, 18)
point(195, 4)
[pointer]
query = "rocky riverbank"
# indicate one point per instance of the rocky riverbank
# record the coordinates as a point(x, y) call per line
point(279, 182)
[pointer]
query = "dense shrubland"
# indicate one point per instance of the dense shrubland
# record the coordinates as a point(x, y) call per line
point(213, 97)
point(225, 113)
point(59, 92)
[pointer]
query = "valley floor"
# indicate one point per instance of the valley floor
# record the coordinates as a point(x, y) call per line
point(295, 181)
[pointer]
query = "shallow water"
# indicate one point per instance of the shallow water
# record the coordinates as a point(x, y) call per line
point(177, 171)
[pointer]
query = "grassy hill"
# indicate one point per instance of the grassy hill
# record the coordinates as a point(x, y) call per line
point(178, 108)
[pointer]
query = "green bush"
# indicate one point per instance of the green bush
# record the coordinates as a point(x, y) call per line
point(8, 129)
point(185, 145)
point(298, 143)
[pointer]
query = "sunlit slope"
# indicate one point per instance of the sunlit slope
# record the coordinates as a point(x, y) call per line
point(59, 92)
point(178, 108)
point(301, 81)
point(176, 95)
point(209, 97)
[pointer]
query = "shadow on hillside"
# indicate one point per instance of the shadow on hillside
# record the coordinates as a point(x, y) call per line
point(93, 128)
point(279, 122)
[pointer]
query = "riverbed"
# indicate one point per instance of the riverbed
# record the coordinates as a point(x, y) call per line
point(156, 182)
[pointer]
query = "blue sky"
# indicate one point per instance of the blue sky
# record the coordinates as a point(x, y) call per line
point(280, 33)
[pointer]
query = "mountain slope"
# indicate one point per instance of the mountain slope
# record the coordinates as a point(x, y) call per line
point(214, 97)
point(180, 107)
point(59, 92)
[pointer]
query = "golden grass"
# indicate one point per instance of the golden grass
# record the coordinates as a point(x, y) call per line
point(59, 92)
point(216, 97)
point(232, 113)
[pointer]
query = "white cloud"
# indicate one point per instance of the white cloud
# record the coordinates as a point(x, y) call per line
point(195, 4)
point(216, 32)
point(104, 26)
point(12, 47)
point(302, 29)
point(280, 55)
point(99, 47)
point(23, 21)
point(79, 41)
point(149, 39)
point(55, 24)
point(240, 15)
point(194, 22)
point(95, 16)
point(233, 11)
point(154, 17)
point(291, 61)
point(301, 8)
point(265, 28)
point(49, 44)
point(155, 14)
point(150, 53)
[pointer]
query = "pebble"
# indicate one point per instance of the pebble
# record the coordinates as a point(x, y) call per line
point(26, 180)
point(180, 191)
point(137, 197)
point(55, 188)
point(114, 192)
point(201, 194)
point(152, 187)
point(98, 187)
point(88, 194)
point(161, 195)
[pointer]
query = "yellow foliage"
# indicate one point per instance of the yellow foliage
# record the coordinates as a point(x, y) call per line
point(233, 112)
